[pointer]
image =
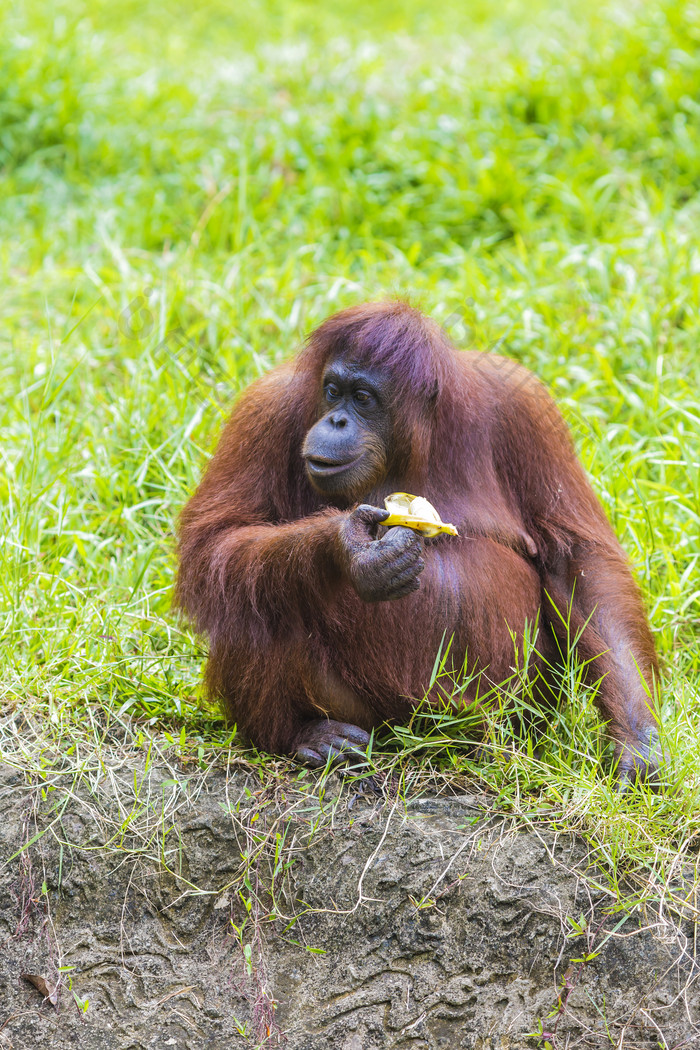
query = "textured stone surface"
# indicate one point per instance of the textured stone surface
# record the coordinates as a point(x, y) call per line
point(479, 965)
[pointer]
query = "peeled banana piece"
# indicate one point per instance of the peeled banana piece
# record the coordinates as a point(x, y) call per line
point(414, 512)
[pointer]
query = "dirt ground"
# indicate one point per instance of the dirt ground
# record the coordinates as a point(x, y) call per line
point(423, 925)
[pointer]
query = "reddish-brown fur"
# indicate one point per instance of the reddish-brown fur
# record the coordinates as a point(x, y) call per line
point(480, 438)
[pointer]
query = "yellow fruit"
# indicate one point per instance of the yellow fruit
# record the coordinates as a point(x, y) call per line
point(414, 512)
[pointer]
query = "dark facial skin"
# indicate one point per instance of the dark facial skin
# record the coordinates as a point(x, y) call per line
point(346, 450)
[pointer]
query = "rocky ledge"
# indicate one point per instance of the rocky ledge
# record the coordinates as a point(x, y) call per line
point(217, 911)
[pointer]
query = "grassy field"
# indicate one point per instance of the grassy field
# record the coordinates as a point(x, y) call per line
point(187, 189)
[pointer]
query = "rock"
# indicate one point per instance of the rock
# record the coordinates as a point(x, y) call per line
point(429, 926)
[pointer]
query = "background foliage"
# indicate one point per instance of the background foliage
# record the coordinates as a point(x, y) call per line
point(187, 189)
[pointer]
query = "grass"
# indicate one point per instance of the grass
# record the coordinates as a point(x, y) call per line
point(185, 191)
